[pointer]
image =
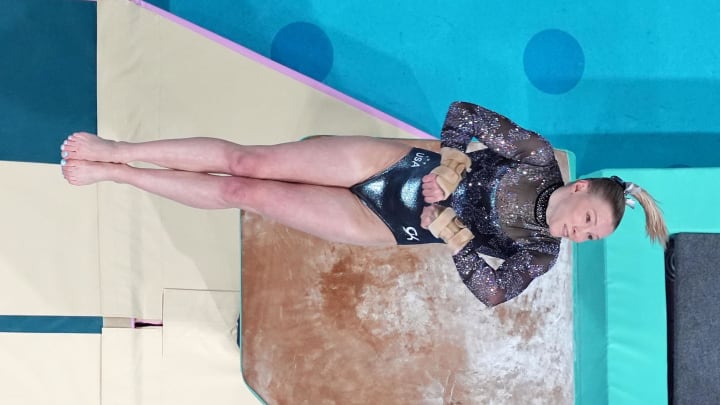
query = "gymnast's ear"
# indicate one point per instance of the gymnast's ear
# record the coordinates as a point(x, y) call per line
point(580, 185)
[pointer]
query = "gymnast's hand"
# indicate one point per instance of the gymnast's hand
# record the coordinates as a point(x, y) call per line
point(429, 213)
point(430, 189)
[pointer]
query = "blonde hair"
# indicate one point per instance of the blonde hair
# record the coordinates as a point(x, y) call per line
point(654, 221)
point(615, 191)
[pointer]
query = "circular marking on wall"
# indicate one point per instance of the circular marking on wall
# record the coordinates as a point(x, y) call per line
point(554, 61)
point(303, 47)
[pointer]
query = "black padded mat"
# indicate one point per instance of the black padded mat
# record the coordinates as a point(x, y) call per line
point(693, 305)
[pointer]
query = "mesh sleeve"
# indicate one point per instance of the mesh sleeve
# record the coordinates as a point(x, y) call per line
point(465, 121)
point(495, 286)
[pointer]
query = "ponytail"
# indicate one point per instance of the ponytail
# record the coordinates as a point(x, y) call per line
point(616, 192)
point(654, 221)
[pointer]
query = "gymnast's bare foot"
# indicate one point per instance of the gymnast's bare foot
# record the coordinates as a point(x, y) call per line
point(85, 146)
point(84, 172)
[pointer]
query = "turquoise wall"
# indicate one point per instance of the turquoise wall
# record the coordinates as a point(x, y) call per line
point(622, 84)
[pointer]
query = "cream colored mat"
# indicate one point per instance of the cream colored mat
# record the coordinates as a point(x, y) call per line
point(49, 259)
point(39, 369)
point(192, 359)
point(158, 79)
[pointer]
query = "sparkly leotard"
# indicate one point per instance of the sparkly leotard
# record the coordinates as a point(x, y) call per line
point(502, 201)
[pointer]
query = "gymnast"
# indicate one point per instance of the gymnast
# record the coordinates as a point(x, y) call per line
point(506, 201)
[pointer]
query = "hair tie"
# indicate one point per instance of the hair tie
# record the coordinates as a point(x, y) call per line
point(629, 189)
point(632, 189)
point(619, 181)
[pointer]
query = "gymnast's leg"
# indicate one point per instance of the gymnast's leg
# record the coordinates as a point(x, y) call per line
point(331, 213)
point(326, 160)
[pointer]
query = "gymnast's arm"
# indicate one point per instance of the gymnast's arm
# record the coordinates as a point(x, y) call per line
point(465, 121)
point(494, 287)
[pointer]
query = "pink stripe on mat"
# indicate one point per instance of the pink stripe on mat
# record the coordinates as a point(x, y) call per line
point(284, 70)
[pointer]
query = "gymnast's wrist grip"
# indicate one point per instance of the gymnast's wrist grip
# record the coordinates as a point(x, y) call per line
point(448, 227)
point(453, 166)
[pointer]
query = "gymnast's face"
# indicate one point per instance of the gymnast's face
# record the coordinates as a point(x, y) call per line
point(579, 215)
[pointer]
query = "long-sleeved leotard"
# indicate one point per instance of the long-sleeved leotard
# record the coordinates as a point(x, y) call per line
point(502, 201)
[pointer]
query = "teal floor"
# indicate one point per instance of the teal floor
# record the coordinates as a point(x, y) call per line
point(47, 76)
point(621, 84)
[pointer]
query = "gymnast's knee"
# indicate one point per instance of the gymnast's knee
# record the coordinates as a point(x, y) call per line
point(236, 192)
point(246, 162)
